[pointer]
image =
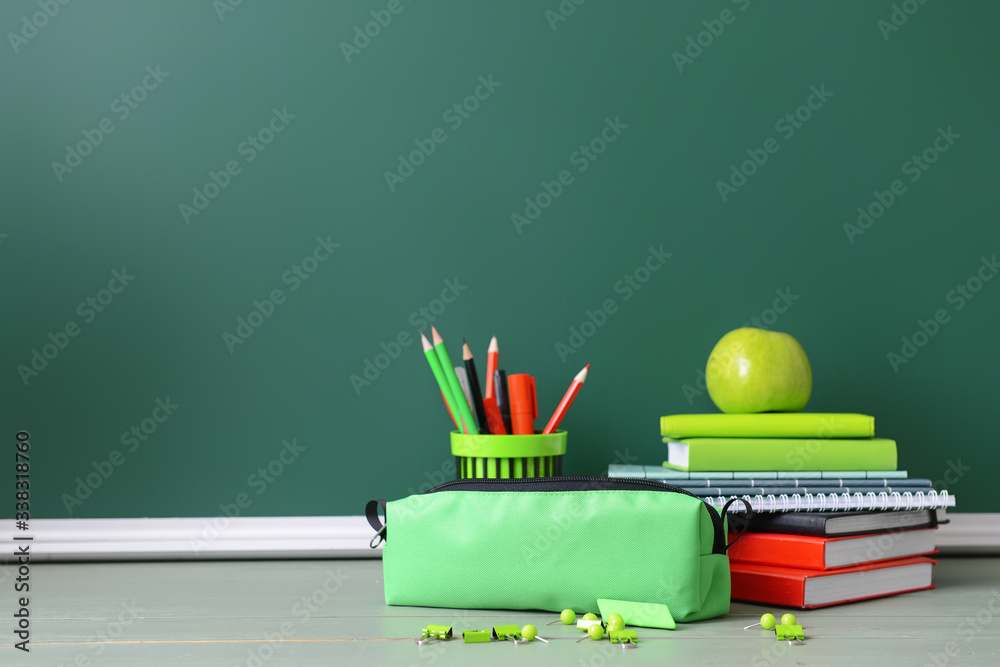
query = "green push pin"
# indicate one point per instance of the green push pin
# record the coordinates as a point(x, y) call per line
point(789, 619)
point(767, 621)
point(587, 621)
point(615, 622)
point(595, 632)
point(530, 632)
point(568, 616)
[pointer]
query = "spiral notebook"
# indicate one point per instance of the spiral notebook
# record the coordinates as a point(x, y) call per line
point(838, 502)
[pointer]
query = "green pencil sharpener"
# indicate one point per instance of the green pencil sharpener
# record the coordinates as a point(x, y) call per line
point(508, 456)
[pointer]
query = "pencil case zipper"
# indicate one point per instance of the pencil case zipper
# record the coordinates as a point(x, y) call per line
point(557, 484)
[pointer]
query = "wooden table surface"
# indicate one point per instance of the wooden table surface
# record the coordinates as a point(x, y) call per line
point(332, 612)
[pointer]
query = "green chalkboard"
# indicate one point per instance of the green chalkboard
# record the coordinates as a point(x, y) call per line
point(225, 224)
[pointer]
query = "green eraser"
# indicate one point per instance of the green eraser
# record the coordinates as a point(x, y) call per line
point(641, 614)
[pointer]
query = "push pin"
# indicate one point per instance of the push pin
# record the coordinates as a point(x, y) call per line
point(568, 616)
point(434, 632)
point(627, 638)
point(530, 632)
point(767, 621)
point(615, 622)
point(587, 621)
point(595, 632)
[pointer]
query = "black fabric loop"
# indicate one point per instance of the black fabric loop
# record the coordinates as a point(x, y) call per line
point(748, 517)
point(371, 513)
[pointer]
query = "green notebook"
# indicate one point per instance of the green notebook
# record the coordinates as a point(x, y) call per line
point(782, 454)
point(769, 425)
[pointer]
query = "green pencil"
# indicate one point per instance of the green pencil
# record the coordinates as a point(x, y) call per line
point(456, 390)
point(442, 381)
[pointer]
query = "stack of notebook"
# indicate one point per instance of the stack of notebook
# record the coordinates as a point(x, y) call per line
point(834, 520)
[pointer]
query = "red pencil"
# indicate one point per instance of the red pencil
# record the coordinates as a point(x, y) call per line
point(492, 356)
point(566, 401)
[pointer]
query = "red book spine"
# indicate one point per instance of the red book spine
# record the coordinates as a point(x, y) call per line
point(785, 586)
point(760, 583)
point(778, 549)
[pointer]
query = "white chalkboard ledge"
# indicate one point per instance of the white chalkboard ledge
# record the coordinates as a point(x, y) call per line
point(193, 538)
point(302, 537)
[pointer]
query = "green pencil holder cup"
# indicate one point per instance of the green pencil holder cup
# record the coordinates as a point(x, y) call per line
point(508, 456)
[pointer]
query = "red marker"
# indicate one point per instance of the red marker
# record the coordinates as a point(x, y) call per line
point(523, 404)
point(566, 401)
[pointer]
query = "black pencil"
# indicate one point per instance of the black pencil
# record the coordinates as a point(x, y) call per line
point(474, 388)
point(503, 398)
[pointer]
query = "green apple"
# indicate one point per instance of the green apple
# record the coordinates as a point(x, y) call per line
point(755, 370)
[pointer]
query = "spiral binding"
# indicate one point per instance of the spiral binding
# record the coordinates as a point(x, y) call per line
point(839, 502)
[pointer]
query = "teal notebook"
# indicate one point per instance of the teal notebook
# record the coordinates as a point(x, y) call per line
point(667, 474)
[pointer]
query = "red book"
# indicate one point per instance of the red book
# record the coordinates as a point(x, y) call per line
point(824, 553)
point(807, 589)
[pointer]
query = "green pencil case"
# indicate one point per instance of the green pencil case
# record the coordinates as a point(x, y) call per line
point(554, 543)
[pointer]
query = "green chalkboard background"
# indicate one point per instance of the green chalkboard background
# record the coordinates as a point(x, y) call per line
point(119, 116)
